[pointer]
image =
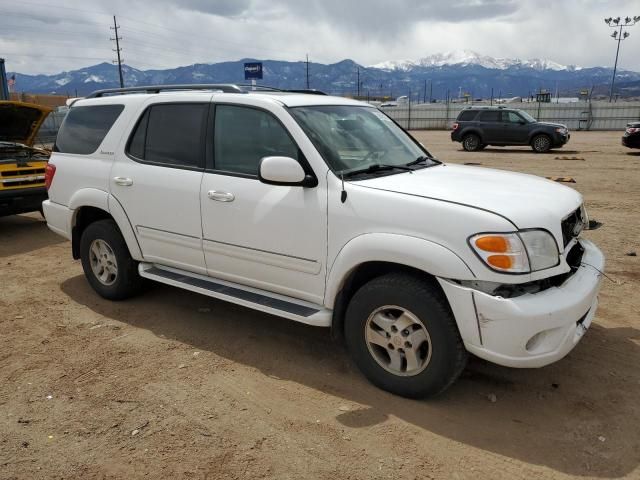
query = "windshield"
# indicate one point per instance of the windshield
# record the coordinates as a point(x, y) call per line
point(353, 138)
point(527, 117)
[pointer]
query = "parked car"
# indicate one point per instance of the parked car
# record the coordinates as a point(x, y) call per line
point(22, 166)
point(631, 137)
point(324, 211)
point(478, 127)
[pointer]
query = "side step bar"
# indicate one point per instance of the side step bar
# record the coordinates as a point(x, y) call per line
point(269, 302)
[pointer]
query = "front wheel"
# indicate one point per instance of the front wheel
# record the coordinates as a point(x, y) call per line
point(402, 335)
point(106, 261)
point(541, 144)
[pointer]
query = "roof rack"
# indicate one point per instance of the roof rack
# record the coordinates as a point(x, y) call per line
point(224, 87)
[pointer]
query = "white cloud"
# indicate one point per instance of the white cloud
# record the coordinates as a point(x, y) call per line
point(41, 36)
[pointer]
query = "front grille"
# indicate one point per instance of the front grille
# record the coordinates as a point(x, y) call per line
point(569, 225)
point(574, 257)
point(22, 177)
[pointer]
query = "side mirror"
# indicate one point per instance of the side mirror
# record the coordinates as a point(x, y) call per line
point(284, 171)
point(522, 122)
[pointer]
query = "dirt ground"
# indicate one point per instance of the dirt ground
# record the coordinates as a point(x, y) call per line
point(177, 385)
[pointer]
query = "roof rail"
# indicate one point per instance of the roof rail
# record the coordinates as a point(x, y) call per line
point(224, 87)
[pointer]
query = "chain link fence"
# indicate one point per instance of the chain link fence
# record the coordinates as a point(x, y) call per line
point(577, 116)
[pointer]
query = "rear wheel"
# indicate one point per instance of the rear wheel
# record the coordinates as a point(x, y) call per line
point(106, 261)
point(401, 334)
point(471, 142)
point(541, 143)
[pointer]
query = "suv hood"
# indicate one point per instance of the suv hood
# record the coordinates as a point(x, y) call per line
point(20, 122)
point(525, 200)
point(549, 124)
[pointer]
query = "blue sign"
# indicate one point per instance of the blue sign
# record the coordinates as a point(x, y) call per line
point(253, 71)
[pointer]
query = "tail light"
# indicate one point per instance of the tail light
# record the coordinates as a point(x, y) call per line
point(455, 126)
point(633, 129)
point(49, 172)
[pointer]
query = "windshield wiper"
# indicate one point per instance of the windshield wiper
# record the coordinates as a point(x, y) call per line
point(377, 167)
point(423, 159)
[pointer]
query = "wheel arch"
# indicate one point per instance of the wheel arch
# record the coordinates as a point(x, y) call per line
point(472, 130)
point(535, 133)
point(371, 255)
point(91, 206)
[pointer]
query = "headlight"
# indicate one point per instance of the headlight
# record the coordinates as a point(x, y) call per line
point(562, 130)
point(521, 252)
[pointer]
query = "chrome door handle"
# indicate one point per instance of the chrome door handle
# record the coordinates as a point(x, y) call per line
point(220, 196)
point(123, 181)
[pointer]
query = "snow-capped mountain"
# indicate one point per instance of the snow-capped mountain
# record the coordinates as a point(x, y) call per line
point(444, 74)
point(468, 57)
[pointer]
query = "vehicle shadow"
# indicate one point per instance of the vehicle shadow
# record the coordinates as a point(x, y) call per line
point(525, 149)
point(25, 233)
point(633, 154)
point(579, 416)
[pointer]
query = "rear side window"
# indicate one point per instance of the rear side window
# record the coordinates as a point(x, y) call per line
point(467, 116)
point(243, 136)
point(84, 128)
point(490, 116)
point(171, 134)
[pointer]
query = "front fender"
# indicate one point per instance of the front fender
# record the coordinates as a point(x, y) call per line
point(419, 253)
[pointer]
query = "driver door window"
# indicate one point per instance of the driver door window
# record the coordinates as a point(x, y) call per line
point(243, 136)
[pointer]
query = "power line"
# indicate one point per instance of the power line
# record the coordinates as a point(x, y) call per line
point(118, 50)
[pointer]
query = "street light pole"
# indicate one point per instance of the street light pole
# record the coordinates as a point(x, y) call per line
point(619, 34)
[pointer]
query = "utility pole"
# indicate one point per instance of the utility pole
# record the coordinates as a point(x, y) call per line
point(424, 96)
point(430, 91)
point(117, 50)
point(619, 34)
point(358, 83)
point(307, 71)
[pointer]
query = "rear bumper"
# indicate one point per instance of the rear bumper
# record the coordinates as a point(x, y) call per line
point(532, 330)
point(631, 141)
point(21, 200)
point(58, 218)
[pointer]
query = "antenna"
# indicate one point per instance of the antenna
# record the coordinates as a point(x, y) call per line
point(343, 194)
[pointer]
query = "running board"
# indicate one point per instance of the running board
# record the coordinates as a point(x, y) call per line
point(269, 302)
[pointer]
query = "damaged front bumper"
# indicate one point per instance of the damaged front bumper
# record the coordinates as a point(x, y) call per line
point(534, 329)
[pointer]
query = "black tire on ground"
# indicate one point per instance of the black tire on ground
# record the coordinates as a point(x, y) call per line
point(541, 143)
point(482, 146)
point(471, 142)
point(126, 282)
point(446, 353)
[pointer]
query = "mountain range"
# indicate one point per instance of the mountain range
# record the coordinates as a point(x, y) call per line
point(435, 76)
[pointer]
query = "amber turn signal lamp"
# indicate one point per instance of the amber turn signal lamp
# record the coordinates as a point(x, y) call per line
point(504, 262)
point(491, 243)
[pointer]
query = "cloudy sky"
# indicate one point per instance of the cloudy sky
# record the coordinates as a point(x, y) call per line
point(49, 36)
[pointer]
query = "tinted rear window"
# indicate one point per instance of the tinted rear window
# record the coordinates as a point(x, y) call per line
point(171, 134)
point(84, 128)
point(490, 116)
point(467, 116)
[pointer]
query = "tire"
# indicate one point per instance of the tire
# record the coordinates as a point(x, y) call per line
point(471, 142)
point(101, 249)
point(439, 355)
point(541, 143)
point(482, 146)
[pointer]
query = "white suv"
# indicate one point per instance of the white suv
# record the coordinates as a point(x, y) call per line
point(324, 211)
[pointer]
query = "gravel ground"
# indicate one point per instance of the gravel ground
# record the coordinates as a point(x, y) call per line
point(176, 385)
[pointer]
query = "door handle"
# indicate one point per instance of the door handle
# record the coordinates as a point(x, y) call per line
point(220, 196)
point(123, 181)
